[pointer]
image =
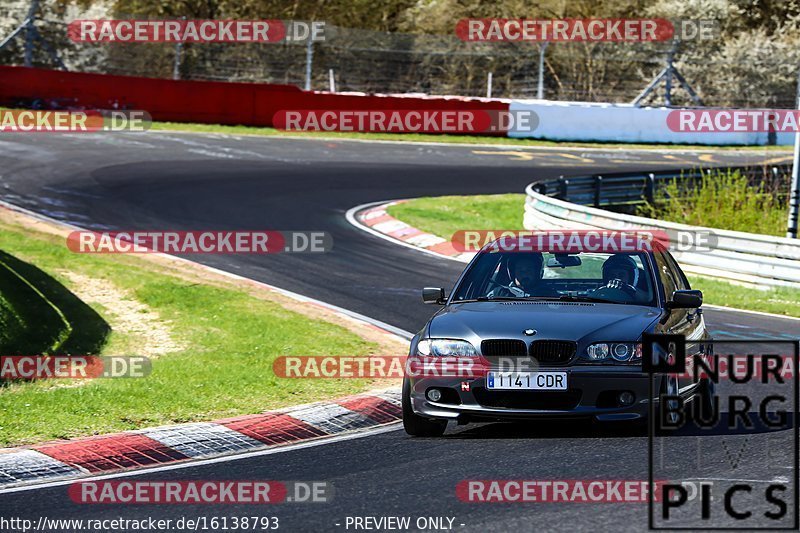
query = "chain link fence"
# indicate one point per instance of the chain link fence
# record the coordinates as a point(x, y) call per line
point(736, 73)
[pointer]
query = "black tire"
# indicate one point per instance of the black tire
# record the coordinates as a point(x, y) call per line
point(706, 391)
point(415, 425)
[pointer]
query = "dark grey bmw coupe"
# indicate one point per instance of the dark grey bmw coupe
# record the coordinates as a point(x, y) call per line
point(539, 334)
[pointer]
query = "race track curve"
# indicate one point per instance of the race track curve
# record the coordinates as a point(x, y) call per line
point(162, 180)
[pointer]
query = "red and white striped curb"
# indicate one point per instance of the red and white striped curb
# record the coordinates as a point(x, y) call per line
point(184, 442)
point(379, 220)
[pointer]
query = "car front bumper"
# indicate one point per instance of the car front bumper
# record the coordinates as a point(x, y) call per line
point(592, 392)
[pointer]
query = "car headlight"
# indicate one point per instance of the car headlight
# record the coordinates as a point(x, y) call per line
point(614, 352)
point(446, 348)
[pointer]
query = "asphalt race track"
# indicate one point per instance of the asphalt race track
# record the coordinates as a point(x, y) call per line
point(165, 180)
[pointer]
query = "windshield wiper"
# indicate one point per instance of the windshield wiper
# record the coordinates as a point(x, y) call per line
point(470, 300)
point(502, 299)
point(569, 298)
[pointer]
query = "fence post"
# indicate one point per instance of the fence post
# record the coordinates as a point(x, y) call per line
point(540, 84)
point(30, 33)
point(794, 195)
point(489, 86)
point(176, 66)
point(331, 82)
point(598, 188)
point(309, 60)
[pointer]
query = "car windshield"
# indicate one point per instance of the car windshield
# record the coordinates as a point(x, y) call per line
point(622, 278)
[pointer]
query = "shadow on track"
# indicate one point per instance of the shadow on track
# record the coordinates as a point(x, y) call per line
point(586, 429)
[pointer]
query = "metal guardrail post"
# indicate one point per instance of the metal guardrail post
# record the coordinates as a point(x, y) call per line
point(650, 188)
point(562, 188)
point(598, 189)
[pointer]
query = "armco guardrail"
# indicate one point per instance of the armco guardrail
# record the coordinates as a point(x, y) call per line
point(732, 255)
point(623, 188)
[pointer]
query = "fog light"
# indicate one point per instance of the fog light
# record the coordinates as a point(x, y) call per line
point(626, 398)
point(434, 395)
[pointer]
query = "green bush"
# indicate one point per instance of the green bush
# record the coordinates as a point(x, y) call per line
point(723, 200)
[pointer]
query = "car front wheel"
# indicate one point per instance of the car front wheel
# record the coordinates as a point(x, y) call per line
point(707, 405)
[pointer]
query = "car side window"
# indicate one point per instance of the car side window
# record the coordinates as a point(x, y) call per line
point(666, 275)
point(679, 276)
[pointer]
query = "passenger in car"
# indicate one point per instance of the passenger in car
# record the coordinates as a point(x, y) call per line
point(525, 270)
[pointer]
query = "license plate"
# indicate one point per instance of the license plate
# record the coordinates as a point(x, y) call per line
point(526, 381)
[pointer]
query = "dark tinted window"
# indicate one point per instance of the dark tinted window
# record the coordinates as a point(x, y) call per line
point(666, 275)
point(680, 277)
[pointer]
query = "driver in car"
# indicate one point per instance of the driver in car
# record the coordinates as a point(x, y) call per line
point(525, 271)
point(621, 273)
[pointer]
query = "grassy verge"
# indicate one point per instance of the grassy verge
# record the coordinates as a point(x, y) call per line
point(446, 139)
point(722, 200)
point(780, 300)
point(445, 215)
point(227, 338)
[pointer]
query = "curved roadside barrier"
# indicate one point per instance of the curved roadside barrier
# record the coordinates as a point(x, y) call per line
point(760, 260)
point(631, 188)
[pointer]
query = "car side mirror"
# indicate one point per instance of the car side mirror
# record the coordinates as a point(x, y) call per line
point(684, 299)
point(433, 295)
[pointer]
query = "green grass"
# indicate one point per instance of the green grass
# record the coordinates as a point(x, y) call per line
point(230, 340)
point(780, 300)
point(11, 324)
point(445, 215)
point(447, 139)
point(722, 200)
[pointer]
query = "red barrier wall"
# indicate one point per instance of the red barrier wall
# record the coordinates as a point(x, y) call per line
point(252, 104)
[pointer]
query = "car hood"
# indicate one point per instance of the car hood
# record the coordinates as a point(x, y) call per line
point(579, 321)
